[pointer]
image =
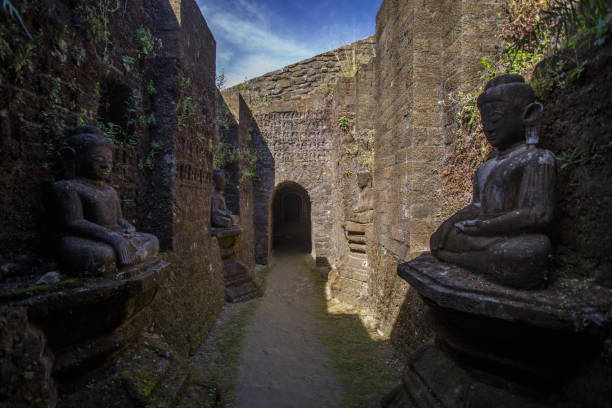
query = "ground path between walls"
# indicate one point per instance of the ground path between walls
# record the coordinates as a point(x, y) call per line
point(286, 350)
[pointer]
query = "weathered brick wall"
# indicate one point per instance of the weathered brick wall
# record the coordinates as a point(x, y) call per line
point(355, 100)
point(247, 131)
point(89, 63)
point(426, 52)
point(469, 33)
point(294, 126)
point(186, 101)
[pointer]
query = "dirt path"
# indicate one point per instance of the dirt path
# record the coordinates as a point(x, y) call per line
point(283, 361)
point(291, 348)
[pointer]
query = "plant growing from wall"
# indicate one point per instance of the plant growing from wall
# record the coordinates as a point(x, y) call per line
point(150, 89)
point(128, 63)
point(225, 153)
point(348, 62)
point(188, 109)
point(263, 101)
point(343, 123)
point(249, 171)
point(97, 19)
point(533, 31)
point(220, 82)
point(144, 41)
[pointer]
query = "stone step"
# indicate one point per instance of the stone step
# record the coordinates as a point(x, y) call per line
point(357, 239)
point(237, 279)
point(357, 261)
point(354, 227)
point(241, 293)
point(349, 291)
point(354, 274)
point(349, 299)
point(232, 269)
point(353, 287)
point(357, 248)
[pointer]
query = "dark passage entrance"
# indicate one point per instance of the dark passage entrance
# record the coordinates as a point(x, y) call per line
point(291, 219)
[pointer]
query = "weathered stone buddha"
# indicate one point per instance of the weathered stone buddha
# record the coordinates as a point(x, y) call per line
point(220, 216)
point(97, 239)
point(501, 234)
point(362, 212)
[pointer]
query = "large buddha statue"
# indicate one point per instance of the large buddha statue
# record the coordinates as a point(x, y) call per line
point(501, 234)
point(220, 216)
point(97, 239)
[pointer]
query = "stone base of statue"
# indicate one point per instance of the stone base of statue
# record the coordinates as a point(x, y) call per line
point(88, 320)
point(502, 347)
point(239, 283)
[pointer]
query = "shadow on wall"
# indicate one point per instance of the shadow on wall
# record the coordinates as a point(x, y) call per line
point(228, 141)
point(263, 189)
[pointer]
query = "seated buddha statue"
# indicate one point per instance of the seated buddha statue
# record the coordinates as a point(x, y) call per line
point(363, 211)
point(501, 234)
point(220, 216)
point(97, 239)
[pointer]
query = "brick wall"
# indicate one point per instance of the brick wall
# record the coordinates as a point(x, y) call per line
point(70, 73)
point(427, 51)
point(294, 123)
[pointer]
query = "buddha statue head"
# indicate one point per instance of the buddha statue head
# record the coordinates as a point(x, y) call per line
point(509, 112)
point(219, 180)
point(89, 154)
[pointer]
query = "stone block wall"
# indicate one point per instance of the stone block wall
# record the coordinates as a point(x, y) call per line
point(146, 73)
point(427, 51)
point(186, 100)
point(294, 128)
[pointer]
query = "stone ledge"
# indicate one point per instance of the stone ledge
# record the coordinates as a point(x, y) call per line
point(565, 304)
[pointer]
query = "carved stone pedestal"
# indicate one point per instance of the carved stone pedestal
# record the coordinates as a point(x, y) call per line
point(239, 284)
point(502, 347)
point(83, 323)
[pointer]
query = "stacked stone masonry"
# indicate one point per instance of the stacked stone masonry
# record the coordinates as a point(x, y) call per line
point(385, 105)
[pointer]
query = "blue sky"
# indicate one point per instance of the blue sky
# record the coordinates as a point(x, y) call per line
point(258, 36)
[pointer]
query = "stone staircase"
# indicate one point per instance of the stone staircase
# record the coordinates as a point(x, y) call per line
point(239, 284)
point(350, 283)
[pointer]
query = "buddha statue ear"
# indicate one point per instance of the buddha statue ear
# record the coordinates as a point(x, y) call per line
point(531, 119)
point(68, 156)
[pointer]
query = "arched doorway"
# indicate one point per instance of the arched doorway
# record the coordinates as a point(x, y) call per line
point(291, 219)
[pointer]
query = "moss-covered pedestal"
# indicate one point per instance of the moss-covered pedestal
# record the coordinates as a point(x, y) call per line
point(239, 284)
point(503, 347)
point(76, 325)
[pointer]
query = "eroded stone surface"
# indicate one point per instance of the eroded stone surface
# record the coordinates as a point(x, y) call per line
point(97, 239)
point(501, 234)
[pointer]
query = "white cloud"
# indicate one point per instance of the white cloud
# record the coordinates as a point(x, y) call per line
point(250, 39)
point(246, 44)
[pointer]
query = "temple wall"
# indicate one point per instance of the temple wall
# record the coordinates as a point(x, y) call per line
point(397, 94)
point(186, 101)
point(426, 53)
point(400, 107)
point(150, 80)
point(294, 139)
